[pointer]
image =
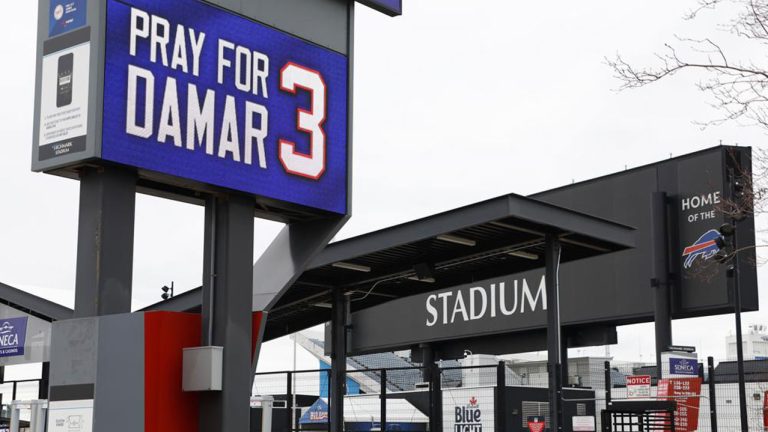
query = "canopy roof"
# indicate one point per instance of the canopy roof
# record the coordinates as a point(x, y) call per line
point(497, 237)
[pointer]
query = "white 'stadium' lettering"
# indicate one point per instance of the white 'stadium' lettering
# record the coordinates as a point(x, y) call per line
point(496, 299)
point(190, 124)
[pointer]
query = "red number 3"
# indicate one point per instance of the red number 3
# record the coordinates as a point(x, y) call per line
point(311, 165)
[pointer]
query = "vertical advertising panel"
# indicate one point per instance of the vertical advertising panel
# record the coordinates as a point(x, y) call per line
point(64, 98)
point(196, 93)
point(66, 87)
point(697, 215)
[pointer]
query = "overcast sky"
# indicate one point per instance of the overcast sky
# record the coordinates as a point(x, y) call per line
point(455, 102)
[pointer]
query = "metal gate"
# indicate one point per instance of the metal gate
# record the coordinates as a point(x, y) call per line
point(639, 416)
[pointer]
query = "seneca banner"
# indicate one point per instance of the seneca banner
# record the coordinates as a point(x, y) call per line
point(198, 93)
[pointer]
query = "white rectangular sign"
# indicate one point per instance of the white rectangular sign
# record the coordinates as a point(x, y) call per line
point(639, 386)
point(468, 409)
point(583, 423)
point(70, 416)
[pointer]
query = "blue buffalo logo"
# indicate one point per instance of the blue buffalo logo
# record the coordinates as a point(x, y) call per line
point(705, 248)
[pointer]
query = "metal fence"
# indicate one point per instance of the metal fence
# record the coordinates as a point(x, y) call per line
point(475, 398)
point(502, 396)
point(718, 402)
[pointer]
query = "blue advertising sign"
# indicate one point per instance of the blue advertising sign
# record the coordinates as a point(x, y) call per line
point(316, 414)
point(683, 366)
point(66, 15)
point(198, 93)
point(13, 332)
point(389, 7)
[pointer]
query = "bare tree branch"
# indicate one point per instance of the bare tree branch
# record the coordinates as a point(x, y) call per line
point(739, 88)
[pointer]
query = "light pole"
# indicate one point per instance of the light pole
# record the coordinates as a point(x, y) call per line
point(729, 230)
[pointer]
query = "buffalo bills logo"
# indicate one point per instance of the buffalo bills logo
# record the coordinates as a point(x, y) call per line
point(705, 248)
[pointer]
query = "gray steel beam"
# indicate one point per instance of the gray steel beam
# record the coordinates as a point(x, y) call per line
point(554, 344)
point(105, 241)
point(228, 275)
point(34, 305)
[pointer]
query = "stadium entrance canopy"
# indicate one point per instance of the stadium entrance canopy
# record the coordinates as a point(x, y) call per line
point(493, 238)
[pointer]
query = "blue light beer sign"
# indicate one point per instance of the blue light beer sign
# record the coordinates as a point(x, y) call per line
point(13, 333)
point(197, 93)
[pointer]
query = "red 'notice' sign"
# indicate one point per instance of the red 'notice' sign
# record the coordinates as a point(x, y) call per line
point(686, 392)
point(639, 386)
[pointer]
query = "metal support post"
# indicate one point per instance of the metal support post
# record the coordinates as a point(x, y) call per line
point(15, 414)
point(554, 344)
point(734, 274)
point(289, 402)
point(564, 371)
point(661, 280)
point(267, 411)
point(44, 375)
point(435, 399)
point(227, 296)
point(329, 385)
point(427, 360)
point(338, 360)
point(608, 383)
point(712, 395)
point(501, 388)
point(105, 241)
point(739, 345)
point(383, 397)
point(37, 415)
